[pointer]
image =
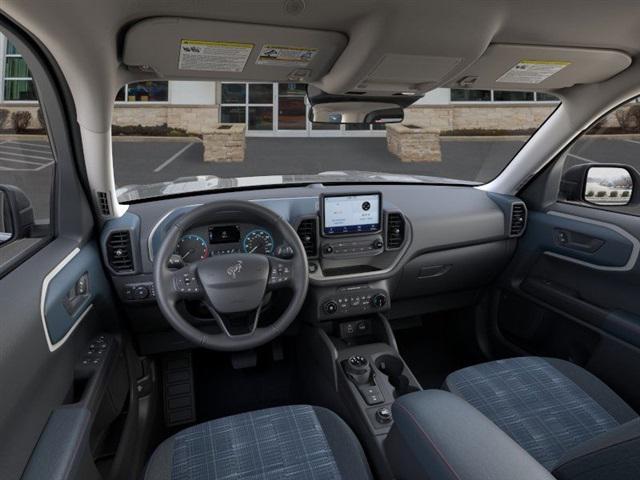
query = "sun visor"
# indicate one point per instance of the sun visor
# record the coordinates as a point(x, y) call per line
point(180, 48)
point(526, 67)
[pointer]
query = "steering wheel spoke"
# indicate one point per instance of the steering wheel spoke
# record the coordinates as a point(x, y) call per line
point(225, 324)
point(281, 274)
point(185, 285)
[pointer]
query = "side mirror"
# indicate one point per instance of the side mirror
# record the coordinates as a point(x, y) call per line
point(16, 214)
point(609, 186)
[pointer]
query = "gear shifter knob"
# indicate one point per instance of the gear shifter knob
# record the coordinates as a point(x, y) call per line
point(358, 368)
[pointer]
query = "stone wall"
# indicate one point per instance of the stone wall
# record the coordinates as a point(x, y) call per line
point(192, 118)
point(411, 144)
point(11, 108)
point(487, 117)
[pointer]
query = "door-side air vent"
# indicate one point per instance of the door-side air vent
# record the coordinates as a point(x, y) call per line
point(103, 203)
point(518, 220)
point(307, 231)
point(395, 230)
point(119, 251)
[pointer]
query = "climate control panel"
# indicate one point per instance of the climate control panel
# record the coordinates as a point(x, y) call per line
point(353, 247)
point(353, 301)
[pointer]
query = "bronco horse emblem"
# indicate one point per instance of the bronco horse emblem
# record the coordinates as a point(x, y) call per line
point(234, 269)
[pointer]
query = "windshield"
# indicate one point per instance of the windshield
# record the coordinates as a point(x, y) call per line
point(178, 137)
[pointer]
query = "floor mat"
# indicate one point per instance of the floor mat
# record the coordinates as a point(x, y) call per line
point(221, 390)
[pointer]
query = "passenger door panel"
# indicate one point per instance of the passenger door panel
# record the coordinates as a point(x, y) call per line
point(576, 296)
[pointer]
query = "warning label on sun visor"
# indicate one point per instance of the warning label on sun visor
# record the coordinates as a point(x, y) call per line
point(214, 56)
point(285, 56)
point(532, 71)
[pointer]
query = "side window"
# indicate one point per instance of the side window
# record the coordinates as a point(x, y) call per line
point(602, 167)
point(27, 165)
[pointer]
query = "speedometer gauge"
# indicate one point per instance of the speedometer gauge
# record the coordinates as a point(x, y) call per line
point(192, 248)
point(258, 241)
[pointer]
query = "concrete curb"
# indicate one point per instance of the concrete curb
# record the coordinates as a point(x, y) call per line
point(135, 138)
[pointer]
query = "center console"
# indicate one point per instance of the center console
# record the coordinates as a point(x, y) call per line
point(359, 373)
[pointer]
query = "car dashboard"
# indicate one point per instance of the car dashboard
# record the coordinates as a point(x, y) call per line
point(428, 247)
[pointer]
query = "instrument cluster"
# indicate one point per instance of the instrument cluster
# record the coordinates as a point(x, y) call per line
point(202, 242)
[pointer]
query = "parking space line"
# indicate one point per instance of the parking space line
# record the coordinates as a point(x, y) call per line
point(28, 162)
point(631, 141)
point(173, 157)
point(584, 159)
point(22, 149)
point(37, 145)
point(26, 155)
point(44, 166)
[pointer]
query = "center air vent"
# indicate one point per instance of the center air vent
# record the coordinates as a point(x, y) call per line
point(395, 230)
point(518, 219)
point(119, 251)
point(307, 231)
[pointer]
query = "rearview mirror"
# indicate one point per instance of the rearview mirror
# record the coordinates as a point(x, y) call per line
point(609, 186)
point(356, 109)
point(356, 112)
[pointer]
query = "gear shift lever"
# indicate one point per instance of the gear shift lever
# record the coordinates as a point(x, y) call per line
point(358, 368)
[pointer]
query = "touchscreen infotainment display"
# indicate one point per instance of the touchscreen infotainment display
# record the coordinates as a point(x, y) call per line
point(351, 214)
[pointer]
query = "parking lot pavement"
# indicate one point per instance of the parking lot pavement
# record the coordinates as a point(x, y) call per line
point(27, 164)
point(137, 163)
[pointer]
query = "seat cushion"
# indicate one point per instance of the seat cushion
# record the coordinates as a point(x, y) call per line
point(548, 406)
point(293, 442)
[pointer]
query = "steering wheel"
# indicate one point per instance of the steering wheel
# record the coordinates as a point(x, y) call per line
point(231, 284)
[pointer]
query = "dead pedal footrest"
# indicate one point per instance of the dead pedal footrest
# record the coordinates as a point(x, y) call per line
point(177, 381)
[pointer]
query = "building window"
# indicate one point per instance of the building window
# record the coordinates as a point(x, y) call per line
point(250, 103)
point(18, 84)
point(464, 95)
point(507, 96)
point(149, 91)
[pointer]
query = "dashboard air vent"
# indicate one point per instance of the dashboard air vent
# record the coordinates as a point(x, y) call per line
point(119, 251)
point(103, 203)
point(395, 230)
point(307, 231)
point(518, 219)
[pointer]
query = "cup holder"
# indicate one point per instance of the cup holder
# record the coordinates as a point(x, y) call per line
point(393, 367)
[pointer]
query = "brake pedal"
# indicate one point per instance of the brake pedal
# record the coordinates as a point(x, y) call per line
point(178, 393)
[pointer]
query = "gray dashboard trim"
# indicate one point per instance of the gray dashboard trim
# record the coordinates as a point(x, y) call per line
point(633, 257)
point(313, 279)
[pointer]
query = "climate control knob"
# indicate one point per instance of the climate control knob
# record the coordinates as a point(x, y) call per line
point(379, 300)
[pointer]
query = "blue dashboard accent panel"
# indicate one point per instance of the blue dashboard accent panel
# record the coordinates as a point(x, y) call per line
point(58, 321)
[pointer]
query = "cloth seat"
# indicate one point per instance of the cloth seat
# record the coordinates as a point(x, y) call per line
point(297, 442)
point(550, 407)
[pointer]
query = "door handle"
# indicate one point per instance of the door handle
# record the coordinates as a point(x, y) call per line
point(577, 241)
point(77, 296)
